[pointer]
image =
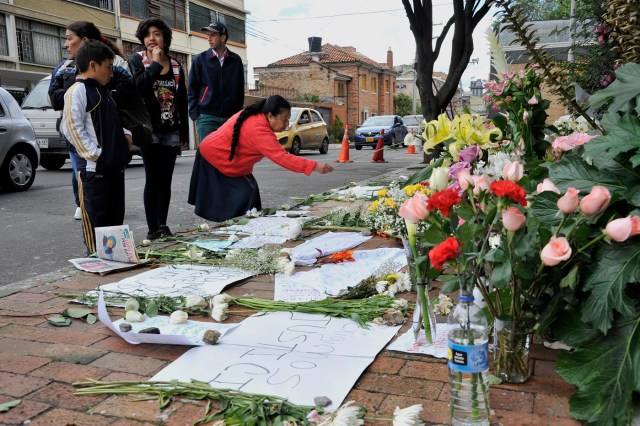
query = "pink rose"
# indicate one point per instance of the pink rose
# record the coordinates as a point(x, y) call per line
point(547, 185)
point(513, 171)
point(597, 200)
point(555, 251)
point(525, 116)
point(561, 144)
point(533, 100)
point(465, 179)
point(480, 183)
point(567, 143)
point(512, 219)
point(621, 229)
point(415, 208)
point(568, 203)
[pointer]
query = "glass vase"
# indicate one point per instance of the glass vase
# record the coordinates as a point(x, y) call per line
point(511, 340)
point(411, 263)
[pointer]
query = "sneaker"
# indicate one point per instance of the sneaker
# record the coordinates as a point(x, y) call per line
point(78, 214)
point(154, 235)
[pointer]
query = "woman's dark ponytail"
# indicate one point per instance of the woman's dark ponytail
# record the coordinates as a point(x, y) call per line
point(273, 104)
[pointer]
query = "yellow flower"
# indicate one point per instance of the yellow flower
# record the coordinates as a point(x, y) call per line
point(411, 189)
point(382, 192)
point(390, 202)
point(374, 206)
point(437, 131)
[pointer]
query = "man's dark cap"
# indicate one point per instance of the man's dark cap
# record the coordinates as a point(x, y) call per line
point(217, 27)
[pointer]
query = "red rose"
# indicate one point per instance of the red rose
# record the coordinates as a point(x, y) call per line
point(443, 201)
point(506, 188)
point(448, 249)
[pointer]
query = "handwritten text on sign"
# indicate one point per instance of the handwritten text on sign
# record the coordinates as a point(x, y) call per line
point(291, 355)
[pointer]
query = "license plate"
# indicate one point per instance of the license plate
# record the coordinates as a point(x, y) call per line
point(368, 139)
point(43, 143)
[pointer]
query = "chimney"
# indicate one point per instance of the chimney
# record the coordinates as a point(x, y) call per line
point(390, 58)
point(315, 48)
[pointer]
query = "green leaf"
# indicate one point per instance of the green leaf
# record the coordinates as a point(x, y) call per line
point(545, 208)
point(623, 135)
point(59, 321)
point(624, 89)
point(501, 275)
point(9, 405)
point(570, 329)
point(76, 313)
point(573, 171)
point(614, 266)
point(570, 280)
point(152, 309)
point(91, 319)
point(605, 372)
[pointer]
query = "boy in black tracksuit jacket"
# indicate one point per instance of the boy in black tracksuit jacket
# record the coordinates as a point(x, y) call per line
point(90, 122)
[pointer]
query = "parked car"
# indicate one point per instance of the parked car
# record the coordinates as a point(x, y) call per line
point(19, 153)
point(369, 132)
point(54, 150)
point(306, 130)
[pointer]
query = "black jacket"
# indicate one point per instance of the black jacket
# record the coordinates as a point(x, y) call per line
point(144, 79)
point(213, 89)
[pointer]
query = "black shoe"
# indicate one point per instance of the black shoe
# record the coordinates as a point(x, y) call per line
point(166, 232)
point(155, 235)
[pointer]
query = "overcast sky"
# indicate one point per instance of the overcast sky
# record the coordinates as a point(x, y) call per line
point(278, 29)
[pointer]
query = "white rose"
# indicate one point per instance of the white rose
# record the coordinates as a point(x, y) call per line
point(178, 317)
point(219, 312)
point(193, 300)
point(131, 305)
point(295, 229)
point(439, 179)
point(133, 316)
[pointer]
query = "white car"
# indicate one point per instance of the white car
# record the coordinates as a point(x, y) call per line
point(19, 153)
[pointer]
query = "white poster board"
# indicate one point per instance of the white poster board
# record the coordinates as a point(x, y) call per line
point(179, 280)
point(287, 354)
point(331, 278)
point(189, 333)
point(268, 225)
point(324, 245)
point(406, 342)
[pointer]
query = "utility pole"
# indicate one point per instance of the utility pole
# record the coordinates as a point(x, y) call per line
point(413, 85)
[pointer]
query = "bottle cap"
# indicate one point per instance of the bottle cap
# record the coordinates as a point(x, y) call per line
point(466, 299)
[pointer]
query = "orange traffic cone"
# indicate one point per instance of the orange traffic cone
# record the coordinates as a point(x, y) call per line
point(411, 149)
point(343, 157)
point(378, 156)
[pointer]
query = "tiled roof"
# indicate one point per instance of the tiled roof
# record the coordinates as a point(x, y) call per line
point(330, 54)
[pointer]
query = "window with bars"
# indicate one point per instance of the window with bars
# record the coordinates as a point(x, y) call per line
point(200, 16)
point(39, 43)
point(135, 8)
point(4, 41)
point(100, 4)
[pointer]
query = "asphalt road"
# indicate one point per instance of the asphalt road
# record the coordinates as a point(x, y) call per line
point(38, 233)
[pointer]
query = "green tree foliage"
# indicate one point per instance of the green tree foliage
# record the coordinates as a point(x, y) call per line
point(338, 129)
point(542, 10)
point(402, 104)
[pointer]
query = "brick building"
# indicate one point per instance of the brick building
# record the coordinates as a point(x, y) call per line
point(345, 82)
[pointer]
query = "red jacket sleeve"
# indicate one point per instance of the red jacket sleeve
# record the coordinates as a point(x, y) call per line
point(264, 140)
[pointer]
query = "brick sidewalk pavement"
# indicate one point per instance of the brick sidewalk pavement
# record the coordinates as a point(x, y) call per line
point(39, 362)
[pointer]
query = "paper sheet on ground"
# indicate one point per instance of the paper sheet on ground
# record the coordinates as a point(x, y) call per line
point(407, 343)
point(330, 278)
point(179, 280)
point(189, 333)
point(288, 213)
point(268, 225)
point(287, 354)
point(366, 192)
point(324, 245)
point(102, 266)
point(116, 243)
point(258, 241)
point(212, 245)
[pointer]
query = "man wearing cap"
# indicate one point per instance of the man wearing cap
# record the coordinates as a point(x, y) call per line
point(216, 82)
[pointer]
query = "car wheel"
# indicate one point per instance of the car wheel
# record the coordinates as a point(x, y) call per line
point(295, 147)
point(325, 146)
point(52, 163)
point(19, 170)
point(358, 147)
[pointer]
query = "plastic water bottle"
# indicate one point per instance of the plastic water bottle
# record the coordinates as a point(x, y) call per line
point(468, 364)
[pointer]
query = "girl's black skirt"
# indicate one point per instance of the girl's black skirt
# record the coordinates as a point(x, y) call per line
point(217, 197)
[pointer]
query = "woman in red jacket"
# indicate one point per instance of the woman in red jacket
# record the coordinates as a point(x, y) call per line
point(222, 184)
